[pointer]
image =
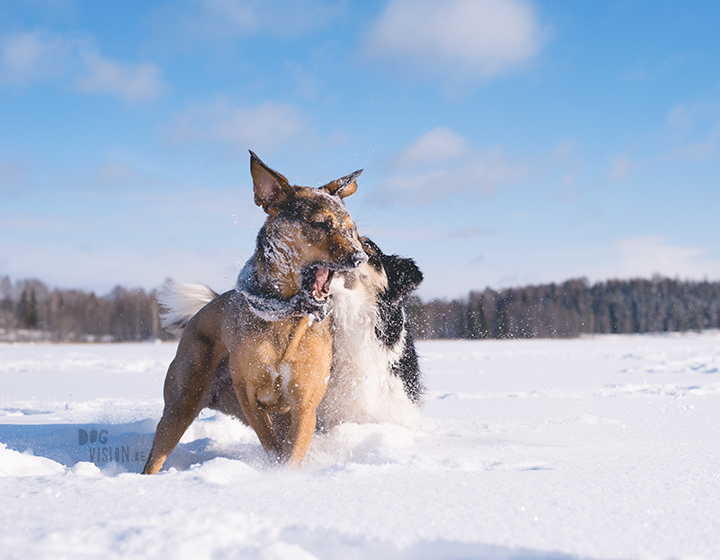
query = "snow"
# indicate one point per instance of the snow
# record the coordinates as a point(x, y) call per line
point(603, 447)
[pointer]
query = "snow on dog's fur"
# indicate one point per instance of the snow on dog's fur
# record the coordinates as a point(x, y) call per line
point(375, 375)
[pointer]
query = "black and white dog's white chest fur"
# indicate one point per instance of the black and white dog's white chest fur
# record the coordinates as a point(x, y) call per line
point(375, 374)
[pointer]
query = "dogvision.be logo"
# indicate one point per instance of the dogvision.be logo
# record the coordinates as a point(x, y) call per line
point(100, 452)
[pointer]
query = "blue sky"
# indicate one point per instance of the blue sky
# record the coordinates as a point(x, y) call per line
point(504, 142)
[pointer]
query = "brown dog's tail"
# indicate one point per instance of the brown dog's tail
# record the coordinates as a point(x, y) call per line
point(181, 302)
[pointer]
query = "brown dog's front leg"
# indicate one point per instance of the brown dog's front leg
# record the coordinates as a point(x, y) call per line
point(297, 442)
point(259, 421)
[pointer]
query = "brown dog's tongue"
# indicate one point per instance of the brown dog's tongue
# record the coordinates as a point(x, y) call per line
point(320, 287)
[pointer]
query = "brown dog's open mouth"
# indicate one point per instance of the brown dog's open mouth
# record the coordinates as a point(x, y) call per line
point(319, 279)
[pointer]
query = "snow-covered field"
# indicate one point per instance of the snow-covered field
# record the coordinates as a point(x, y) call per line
point(604, 447)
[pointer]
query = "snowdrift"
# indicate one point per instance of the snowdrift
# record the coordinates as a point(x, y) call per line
point(604, 447)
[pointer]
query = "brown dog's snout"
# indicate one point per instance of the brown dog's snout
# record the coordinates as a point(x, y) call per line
point(347, 252)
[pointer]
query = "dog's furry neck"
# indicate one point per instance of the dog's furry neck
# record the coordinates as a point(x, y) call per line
point(256, 286)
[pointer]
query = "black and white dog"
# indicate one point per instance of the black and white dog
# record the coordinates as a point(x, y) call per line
point(375, 375)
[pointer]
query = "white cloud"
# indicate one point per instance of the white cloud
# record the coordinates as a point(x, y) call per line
point(621, 168)
point(277, 16)
point(212, 21)
point(648, 255)
point(441, 164)
point(37, 56)
point(238, 14)
point(436, 146)
point(34, 56)
point(462, 37)
point(261, 127)
point(131, 82)
point(114, 173)
point(692, 135)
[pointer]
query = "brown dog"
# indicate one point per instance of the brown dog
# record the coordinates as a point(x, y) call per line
point(271, 328)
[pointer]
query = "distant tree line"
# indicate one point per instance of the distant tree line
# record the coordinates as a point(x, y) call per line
point(29, 310)
point(571, 309)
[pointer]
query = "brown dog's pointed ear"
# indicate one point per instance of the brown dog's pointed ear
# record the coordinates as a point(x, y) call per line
point(344, 186)
point(270, 187)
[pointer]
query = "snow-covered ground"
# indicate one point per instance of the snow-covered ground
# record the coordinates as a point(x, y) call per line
point(604, 447)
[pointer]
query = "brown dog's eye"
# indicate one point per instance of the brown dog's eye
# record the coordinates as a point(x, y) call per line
point(324, 226)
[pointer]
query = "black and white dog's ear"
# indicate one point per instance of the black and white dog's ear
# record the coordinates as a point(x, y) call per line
point(343, 187)
point(403, 276)
point(270, 187)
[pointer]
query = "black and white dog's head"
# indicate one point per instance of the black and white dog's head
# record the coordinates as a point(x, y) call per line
point(402, 277)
